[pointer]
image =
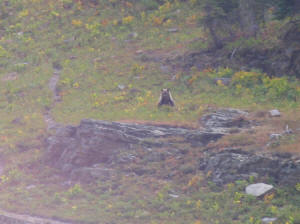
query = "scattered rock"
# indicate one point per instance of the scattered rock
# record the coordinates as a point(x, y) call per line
point(174, 195)
point(121, 87)
point(259, 189)
point(173, 30)
point(275, 136)
point(30, 187)
point(97, 60)
point(133, 35)
point(274, 113)
point(139, 51)
point(268, 220)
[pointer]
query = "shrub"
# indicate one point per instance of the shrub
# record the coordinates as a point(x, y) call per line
point(225, 72)
point(279, 88)
point(149, 4)
point(247, 79)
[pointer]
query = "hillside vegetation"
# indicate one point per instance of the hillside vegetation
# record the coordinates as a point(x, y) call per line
point(113, 58)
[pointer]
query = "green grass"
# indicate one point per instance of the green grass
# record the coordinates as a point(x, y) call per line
point(97, 55)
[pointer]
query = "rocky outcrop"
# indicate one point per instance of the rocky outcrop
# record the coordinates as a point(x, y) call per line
point(224, 120)
point(101, 150)
point(235, 164)
point(100, 142)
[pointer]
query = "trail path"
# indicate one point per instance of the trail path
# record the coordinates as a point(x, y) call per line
point(51, 124)
point(13, 218)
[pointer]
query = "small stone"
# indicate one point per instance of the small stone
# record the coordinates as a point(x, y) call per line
point(274, 113)
point(174, 195)
point(139, 52)
point(173, 30)
point(268, 220)
point(133, 35)
point(97, 60)
point(121, 87)
point(158, 133)
point(30, 187)
point(258, 189)
point(275, 136)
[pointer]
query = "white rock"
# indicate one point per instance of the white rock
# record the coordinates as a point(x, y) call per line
point(258, 189)
point(268, 220)
point(30, 187)
point(158, 133)
point(274, 113)
point(173, 30)
point(275, 136)
point(174, 195)
point(121, 87)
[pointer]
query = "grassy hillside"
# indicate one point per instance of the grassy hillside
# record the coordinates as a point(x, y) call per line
point(113, 58)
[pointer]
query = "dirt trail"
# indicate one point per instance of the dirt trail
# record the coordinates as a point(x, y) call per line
point(13, 218)
point(51, 124)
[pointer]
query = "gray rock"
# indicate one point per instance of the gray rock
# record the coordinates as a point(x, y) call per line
point(231, 165)
point(101, 142)
point(121, 87)
point(268, 220)
point(139, 51)
point(133, 35)
point(274, 113)
point(225, 119)
point(259, 189)
point(275, 136)
point(30, 187)
point(174, 195)
point(173, 30)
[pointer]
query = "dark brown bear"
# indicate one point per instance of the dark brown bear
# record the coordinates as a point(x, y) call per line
point(165, 98)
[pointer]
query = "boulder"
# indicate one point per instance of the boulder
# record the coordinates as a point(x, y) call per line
point(274, 113)
point(225, 119)
point(258, 189)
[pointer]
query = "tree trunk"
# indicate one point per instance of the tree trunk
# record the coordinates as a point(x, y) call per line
point(217, 41)
point(248, 17)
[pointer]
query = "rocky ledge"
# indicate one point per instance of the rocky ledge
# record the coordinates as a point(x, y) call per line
point(236, 164)
point(101, 142)
point(98, 149)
